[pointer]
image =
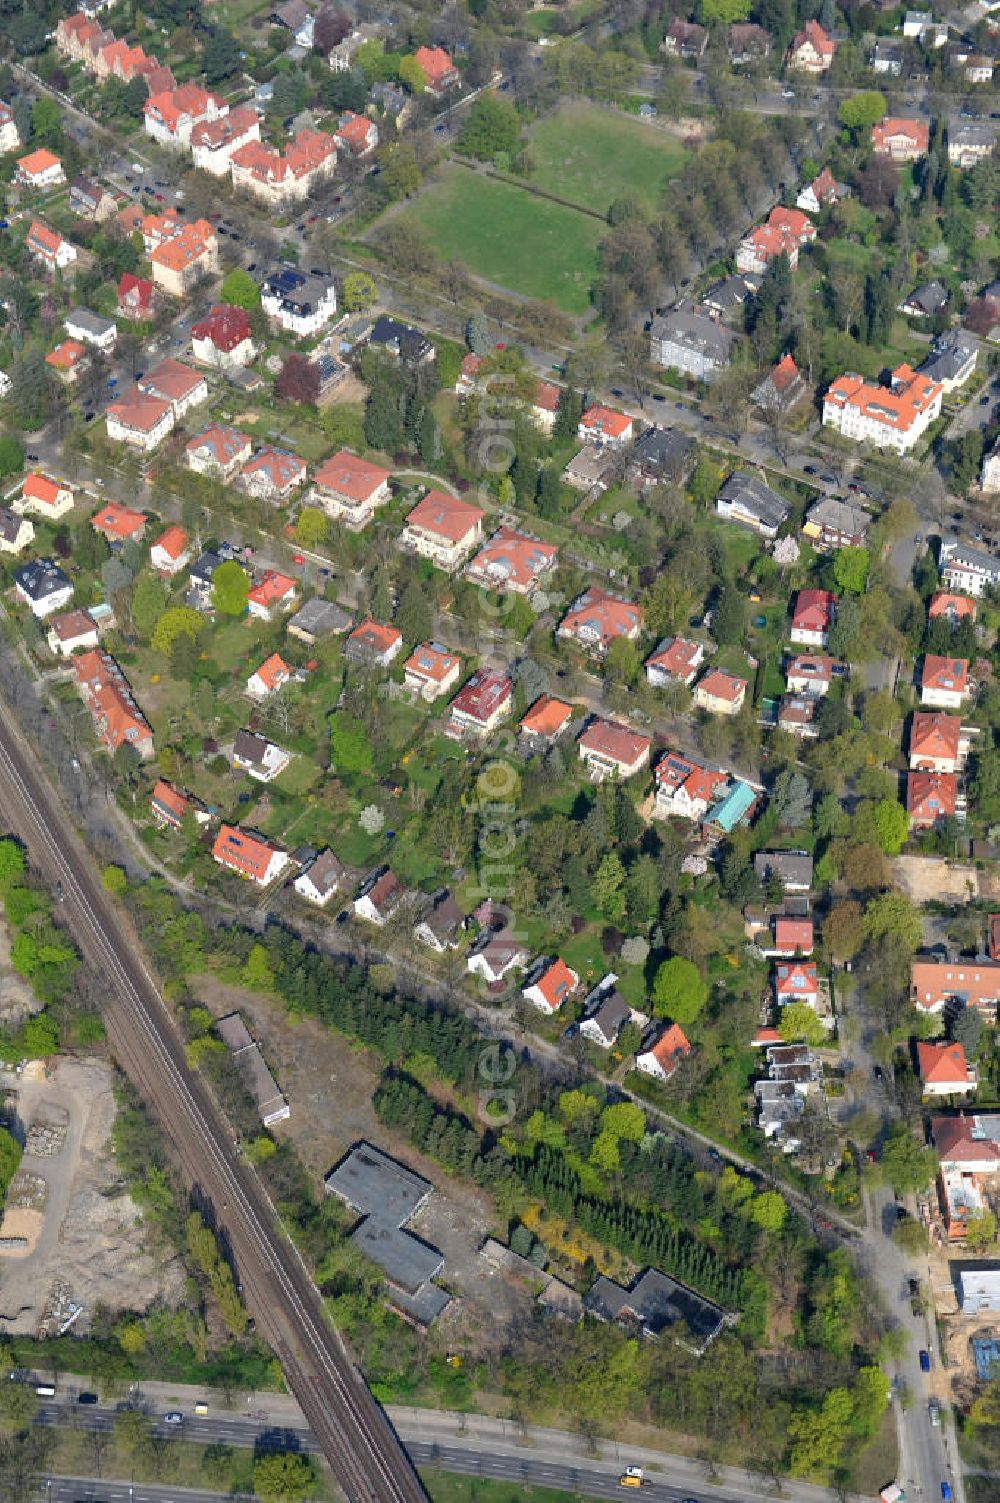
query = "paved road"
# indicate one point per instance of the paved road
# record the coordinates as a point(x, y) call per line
point(87, 1490)
point(364, 1453)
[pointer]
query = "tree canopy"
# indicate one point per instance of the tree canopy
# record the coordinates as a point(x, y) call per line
point(679, 993)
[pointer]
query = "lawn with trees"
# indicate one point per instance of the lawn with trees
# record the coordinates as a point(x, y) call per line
point(592, 157)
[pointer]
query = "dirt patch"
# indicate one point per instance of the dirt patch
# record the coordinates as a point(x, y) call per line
point(349, 390)
point(924, 878)
point(329, 1086)
point(86, 1239)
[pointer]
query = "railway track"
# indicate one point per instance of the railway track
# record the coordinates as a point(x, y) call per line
point(364, 1453)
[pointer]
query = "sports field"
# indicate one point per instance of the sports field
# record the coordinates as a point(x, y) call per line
point(590, 156)
point(507, 235)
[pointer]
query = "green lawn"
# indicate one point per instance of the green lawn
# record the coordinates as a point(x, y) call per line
point(511, 237)
point(590, 155)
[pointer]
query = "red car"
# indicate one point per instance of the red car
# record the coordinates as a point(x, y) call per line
point(298, 559)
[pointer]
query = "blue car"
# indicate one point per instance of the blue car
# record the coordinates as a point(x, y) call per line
point(946, 1492)
point(925, 1362)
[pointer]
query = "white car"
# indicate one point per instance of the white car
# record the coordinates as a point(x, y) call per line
point(173, 1418)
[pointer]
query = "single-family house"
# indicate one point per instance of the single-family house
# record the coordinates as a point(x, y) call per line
point(783, 233)
point(685, 39)
point(935, 742)
point(746, 499)
point(178, 384)
point(937, 986)
point(271, 677)
point(549, 985)
point(546, 721)
point(45, 496)
point(796, 981)
point(69, 359)
point(605, 428)
point(43, 587)
point(431, 670)
point(70, 632)
point(662, 454)
point(662, 1054)
point(356, 135)
point(350, 489)
point(811, 50)
point(480, 705)
point(970, 141)
point(793, 937)
point(793, 869)
point(954, 608)
point(300, 302)
point(135, 297)
point(511, 561)
point(118, 523)
point(249, 855)
point(610, 749)
point(52, 250)
point(494, 955)
point(684, 789)
point(811, 673)
point(169, 806)
point(92, 329)
point(822, 193)
point(833, 523)
point(261, 758)
point(373, 644)
point(438, 69)
point(901, 140)
point(171, 552)
point(10, 138)
point(378, 897)
point(401, 342)
point(930, 798)
point(952, 360)
point(720, 692)
point(223, 338)
point(40, 169)
point(783, 388)
point(596, 618)
point(925, 301)
point(321, 879)
point(797, 715)
point(16, 532)
point(444, 529)
point(219, 451)
point(141, 422)
point(944, 1070)
point(441, 926)
point(271, 594)
point(887, 57)
point(607, 1012)
point(272, 474)
point(812, 617)
point(944, 682)
point(675, 661)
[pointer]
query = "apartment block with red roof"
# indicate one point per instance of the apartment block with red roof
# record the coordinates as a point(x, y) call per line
point(249, 855)
point(438, 69)
point(141, 422)
point(184, 259)
point(44, 496)
point(223, 338)
point(350, 489)
point(373, 643)
point(605, 428)
point(684, 789)
point(431, 670)
point(720, 692)
point(272, 675)
point(782, 234)
point(356, 135)
point(944, 1070)
point(546, 720)
point(480, 706)
point(902, 140)
point(675, 661)
point(171, 552)
point(178, 384)
point(444, 529)
point(812, 617)
point(944, 682)
point(596, 618)
point(284, 178)
point(890, 417)
point(213, 142)
point(512, 561)
point(105, 691)
point(553, 982)
point(40, 169)
point(171, 116)
point(661, 1056)
point(938, 986)
point(930, 798)
point(811, 50)
point(612, 750)
point(218, 450)
point(118, 523)
point(935, 742)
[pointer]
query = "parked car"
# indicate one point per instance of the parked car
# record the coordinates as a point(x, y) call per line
point(925, 1361)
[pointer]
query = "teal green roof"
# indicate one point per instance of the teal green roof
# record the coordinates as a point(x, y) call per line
point(734, 806)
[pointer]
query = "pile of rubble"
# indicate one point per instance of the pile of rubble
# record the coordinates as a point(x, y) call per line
point(27, 1192)
point(47, 1133)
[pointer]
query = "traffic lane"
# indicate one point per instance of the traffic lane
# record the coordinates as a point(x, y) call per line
point(88, 1490)
point(239, 1430)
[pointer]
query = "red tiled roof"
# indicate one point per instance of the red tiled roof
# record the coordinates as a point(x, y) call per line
point(39, 487)
point(36, 162)
point(670, 1048)
point(431, 662)
point(110, 700)
point(375, 636)
point(793, 978)
point(353, 130)
point(222, 442)
point(117, 522)
point(66, 355)
point(943, 604)
point(605, 421)
point(930, 796)
point(445, 516)
point(482, 696)
point(171, 380)
point(272, 588)
point(69, 626)
point(283, 469)
point(348, 475)
point(722, 685)
point(934, 735)
point(616, 742)
point(556, 983)
point(225, 326)
point(547, 397)
point(134, 292)
point(935, 982)
point(793, 934)
point(169, 799)
point(173, 541)
point(813, 33)
point(814, 610)
point(915, 131)
point(435, 62)
point(246, 853)
point(950, 674)
point(942, 1064)
point(547, 717)
point(139, 412)
point(511, 557)
point(677, 657)
point(273, 672)
point(596, 613)
point(784, 373)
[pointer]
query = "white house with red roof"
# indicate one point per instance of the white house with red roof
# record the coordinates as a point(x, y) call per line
point(223, 338)
point(610, 749)
point(782, 234)
point(954, 608)
point(675, 661)
point(544, 408)
point(431, 670)
point(48, 247)
point(939, 984)
point(553, 982)
point(272, 676)
point(272, 474)
point(170, 116)
point(171, 552)
point(271, 594)
point(944, 1070)
point(373, 643)
point(811, 673)
point(173, 382)
point(812, 617)
point(480, 705)
point(168, 806)
point(70, 632)
point(40, 169)
point(356, 135)
point(283, 178)
point(141, 422)
point(661, 1056)
point(438, 69)
point(935, 742)
point(443, 528)
point(118, 523)
point(44, 496)
point(350, 489)
point(944, 682)
point(684, 789)
point(930, 798)
point(796, 981)
point(249, 855)
point(135, 297)
point(811, 50)
point(105, 691)
point(822, 193)
point(891, 417)
point(213, 142)
point(900, 139)
point(605, 428)
point(69, 359)
point(218, 450)
point(793, 937)
point(468, 372)
point(546, 720)
point(512, 561)
point(720, 692)
point(597, 617)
